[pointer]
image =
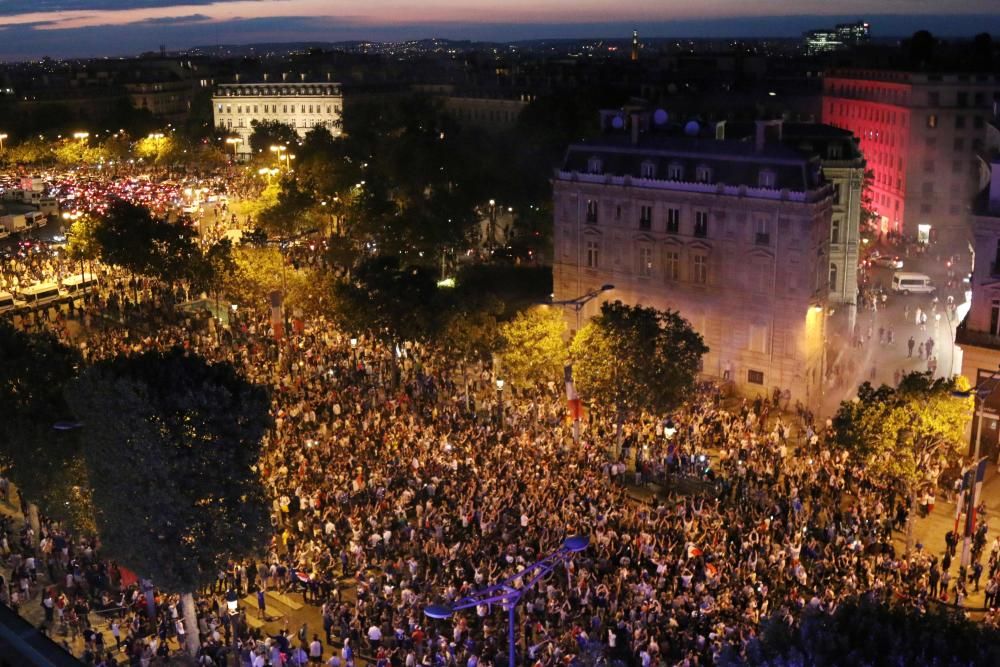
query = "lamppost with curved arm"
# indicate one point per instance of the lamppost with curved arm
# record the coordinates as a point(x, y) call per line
point(508, 593)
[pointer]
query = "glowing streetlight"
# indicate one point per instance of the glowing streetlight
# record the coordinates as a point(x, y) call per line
point(80, 136)
point(3, 136)
point(234, 142)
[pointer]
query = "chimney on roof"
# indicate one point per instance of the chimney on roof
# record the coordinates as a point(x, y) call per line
point(302, 76)
point(327, 76)
point(768, 131)
point(634, 123)
point(237, 77)
point(265, 77)
point(284, 76)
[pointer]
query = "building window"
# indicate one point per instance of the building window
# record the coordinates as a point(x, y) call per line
point(762, 231)
point(645, 261)
point(699, 268)
point(765, 178)
point(645, 217)
point(995, 318)
point(675, 171)
point(835, 230)
point(932, 120)
point(618, 212)
point(593, 254)
point(701, 223)
point(594, 165)
point(672, 265)
point(833, 277)
point(592, 211)
point(959, 144)
point(648, 169)
point(959, 122)
point(755, 377)
point(704, 174)
point(673, 220)
point(934, 99)
point(962, 100)
point(929, 166)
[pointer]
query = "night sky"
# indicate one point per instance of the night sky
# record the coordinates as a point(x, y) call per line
point(33, 28)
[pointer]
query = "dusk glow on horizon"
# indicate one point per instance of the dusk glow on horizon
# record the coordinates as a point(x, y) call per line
point(115, 27)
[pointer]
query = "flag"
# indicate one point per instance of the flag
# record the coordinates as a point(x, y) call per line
point(711, 570)
point(572, 398)
point(302, 576)
point(693, 551)
point(277, 315)
point(977, 487)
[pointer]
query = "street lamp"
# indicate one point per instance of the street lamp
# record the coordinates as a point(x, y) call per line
point(492, 238)
point(234, 142)
point(2, 137)
point(500, 403)
point(80, 136)
point(510, 591)
point(354, 351)
point(579, 302)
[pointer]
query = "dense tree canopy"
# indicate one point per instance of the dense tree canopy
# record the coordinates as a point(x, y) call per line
point(534, 346)
point(172, 445)
point(34, 369)
point(632, 358)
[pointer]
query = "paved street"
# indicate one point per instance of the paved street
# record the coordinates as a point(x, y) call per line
point(884, 362)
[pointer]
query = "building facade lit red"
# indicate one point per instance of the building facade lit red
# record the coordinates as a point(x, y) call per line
point(921, 135)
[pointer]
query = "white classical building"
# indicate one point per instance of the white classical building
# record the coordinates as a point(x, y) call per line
point(735, 235)
point(301, 105)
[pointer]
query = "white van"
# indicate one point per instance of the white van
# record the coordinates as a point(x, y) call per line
point(81, 282)
point(904, 282)
point(7, 302)
point(39, 295)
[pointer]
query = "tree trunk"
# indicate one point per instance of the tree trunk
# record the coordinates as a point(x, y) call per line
point(34, 523)
point(191, 633)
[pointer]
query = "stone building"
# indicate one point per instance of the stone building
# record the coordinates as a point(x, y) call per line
point(735, 235)
point(301, 105)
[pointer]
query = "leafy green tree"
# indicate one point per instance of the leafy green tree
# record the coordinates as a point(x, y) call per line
point(34, 369)
point(863, 631)
point(291, 211)
point(899, 432)
point(534, 346)
point(390, 300)
point(267, 133)
point(173, 445)
point(633, 358)
point(130, 236)
point(81, 242)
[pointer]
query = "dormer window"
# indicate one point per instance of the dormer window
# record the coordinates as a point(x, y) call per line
point(675, 171)
point(648, 169)
point(703, 173)
point(594, 165)
point(834, 151)
point(766, 178)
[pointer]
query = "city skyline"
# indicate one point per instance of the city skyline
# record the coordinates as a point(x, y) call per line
point(79, 28)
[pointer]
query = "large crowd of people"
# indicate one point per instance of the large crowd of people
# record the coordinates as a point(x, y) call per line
point(395, 485)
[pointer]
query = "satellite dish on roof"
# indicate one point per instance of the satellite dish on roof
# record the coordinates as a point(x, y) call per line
point(660, 117)
point(692, 128)
point(618, 122)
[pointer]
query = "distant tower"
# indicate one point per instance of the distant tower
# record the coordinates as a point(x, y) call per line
point(635, 45)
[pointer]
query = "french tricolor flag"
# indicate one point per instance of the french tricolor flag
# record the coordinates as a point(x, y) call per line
point(573, 405)
point(977, 487)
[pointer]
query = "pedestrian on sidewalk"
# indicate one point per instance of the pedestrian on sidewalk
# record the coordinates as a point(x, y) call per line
point(909, 346)
point(920, 351)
